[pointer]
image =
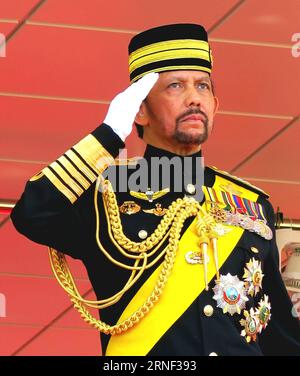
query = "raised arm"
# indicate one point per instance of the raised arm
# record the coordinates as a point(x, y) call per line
point(47, 211)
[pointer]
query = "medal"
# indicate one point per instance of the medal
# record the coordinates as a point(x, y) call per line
point(241, 220)
point(194, 258)
point(230, 294)
point(129, 207)
point(234, 210)
point(255, 322)
point(263, 312)
point(218, 214)
point(251, 325)
point(158, 210)
point(253, 276)
point(220, 230)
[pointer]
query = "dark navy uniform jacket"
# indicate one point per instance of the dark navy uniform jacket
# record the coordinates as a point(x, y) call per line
point(57, 210)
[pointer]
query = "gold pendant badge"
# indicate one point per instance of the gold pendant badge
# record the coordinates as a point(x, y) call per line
point(129, 207)
point(158, 210)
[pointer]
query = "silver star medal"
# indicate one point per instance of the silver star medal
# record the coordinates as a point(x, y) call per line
point(230, 294)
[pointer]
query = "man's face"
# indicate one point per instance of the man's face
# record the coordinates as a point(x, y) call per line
point(179, 109)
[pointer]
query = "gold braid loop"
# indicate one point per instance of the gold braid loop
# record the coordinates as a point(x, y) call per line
point(170, 225)
point(111, 206)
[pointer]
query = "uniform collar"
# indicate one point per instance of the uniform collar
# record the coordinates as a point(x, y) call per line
point(191, 165)
point(152, 151)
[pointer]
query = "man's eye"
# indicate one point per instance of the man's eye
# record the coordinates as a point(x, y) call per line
point(204, 85)
point(174, 85)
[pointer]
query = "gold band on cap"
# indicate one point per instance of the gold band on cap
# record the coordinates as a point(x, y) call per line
point(171, 46)
point(168, 50)
point(172, 68)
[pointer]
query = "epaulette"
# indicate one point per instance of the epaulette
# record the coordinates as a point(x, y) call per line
point(237, 179)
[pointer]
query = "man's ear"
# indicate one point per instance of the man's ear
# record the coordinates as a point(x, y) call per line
point(216, 105)
point(141, 117)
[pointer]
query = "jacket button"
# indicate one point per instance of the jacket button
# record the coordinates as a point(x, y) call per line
point(213, 354)
point(254, 250)
point(208, 310)
point(190, 188)
point(143, 234)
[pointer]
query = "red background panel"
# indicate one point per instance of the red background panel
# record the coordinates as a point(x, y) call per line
point(25, 257)
point(282, 196)
point(14, 336)
point(22, 256)
point(71, 319)
point(7, 27)
point(57, 124)
point(16, 9)
point(34, 300)
point(76, 342)
point(263, 21)
point(132, 14)
point(65, 62)
point(14, 176)
point(280, 160)
point(237, 146)
point(256, 79)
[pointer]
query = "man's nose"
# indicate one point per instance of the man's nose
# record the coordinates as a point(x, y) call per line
point(193, 97)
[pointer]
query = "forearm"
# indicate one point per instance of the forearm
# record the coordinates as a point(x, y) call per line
point(48, 211)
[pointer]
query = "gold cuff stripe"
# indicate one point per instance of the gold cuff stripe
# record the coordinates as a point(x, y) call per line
point(67, 179)
point(79, 167)
point(37, 176)
point(59, 185)
point(83, 168)
point(169, 55)
point(74, 172)
point(171, 68)
point(168, 45)
point(84, 161)
point(94, 153)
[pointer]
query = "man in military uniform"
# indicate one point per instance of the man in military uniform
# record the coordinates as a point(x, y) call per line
point(176, 272)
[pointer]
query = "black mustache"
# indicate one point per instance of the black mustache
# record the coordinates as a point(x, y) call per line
point(192, 111)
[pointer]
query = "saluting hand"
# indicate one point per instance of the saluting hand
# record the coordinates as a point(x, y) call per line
point(125, 106)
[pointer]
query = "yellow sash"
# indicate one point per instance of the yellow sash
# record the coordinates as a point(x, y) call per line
point(184, 285)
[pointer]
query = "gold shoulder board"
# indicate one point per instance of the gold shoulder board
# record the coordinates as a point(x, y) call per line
point(245, 182)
